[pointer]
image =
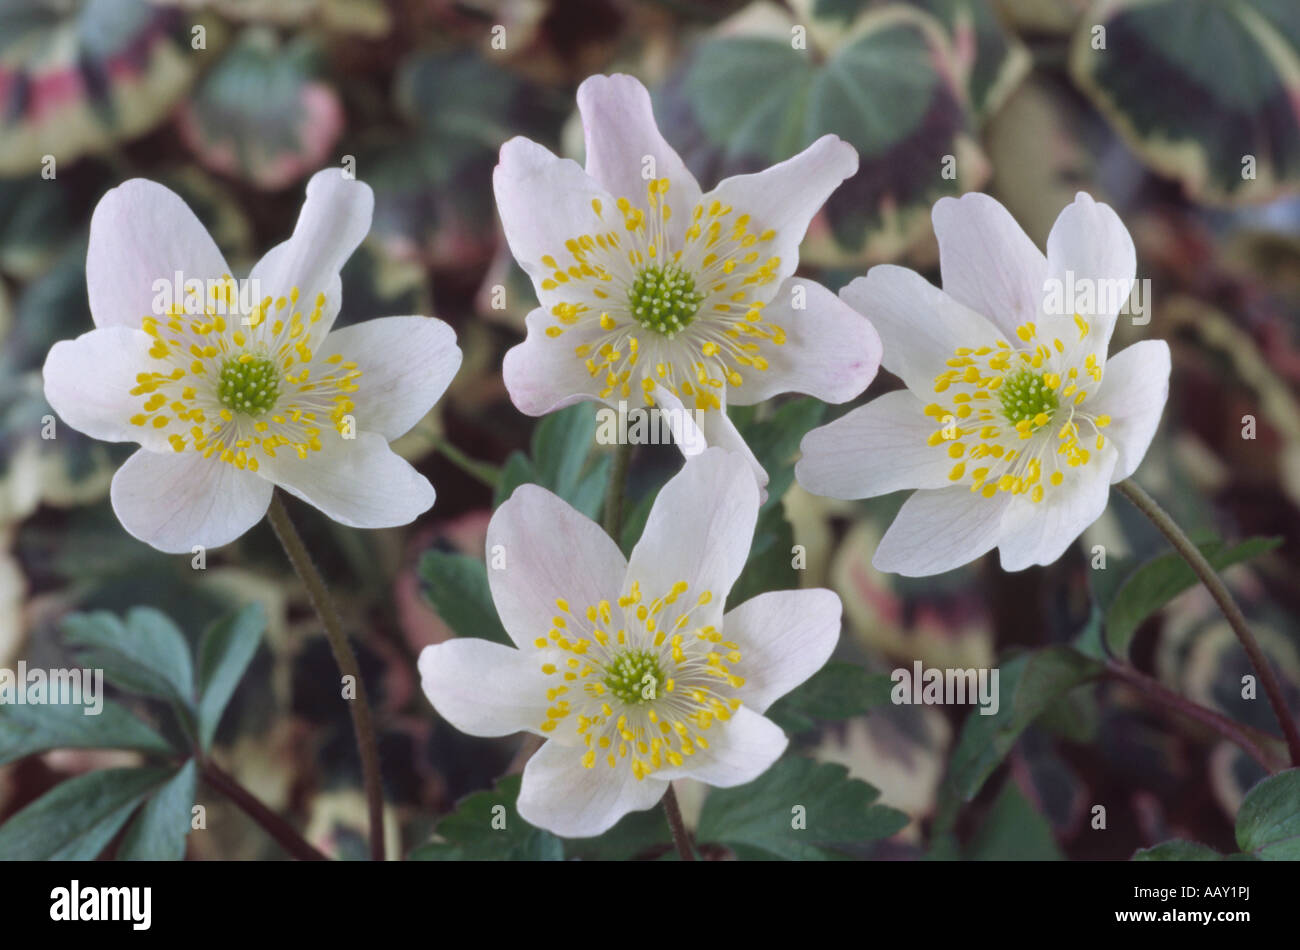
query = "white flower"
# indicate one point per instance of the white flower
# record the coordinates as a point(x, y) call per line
point(654, 293)
point(227, 402)
point(1013, 424)
point(629, 668)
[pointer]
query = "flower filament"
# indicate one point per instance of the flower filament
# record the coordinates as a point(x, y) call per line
point(639, 682)
point(241, 390)
point(688, 318)
point(1015, 415)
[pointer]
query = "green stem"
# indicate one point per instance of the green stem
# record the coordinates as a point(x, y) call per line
point(279, 829)
point(362, 722)
point(1250, 741)
point(681, 837)
point(614, 495)
point(1223, 597)
point(480, 471)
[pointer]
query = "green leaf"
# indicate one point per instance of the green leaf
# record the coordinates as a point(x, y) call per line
point(836, 691)
point(1177, 850)
point(25, 730)
point(1196, 86)
point(1027, 685)
point(771, 560)
point(1268, 824)
point(486, 827)
point(145, 655)
point(159, 833)
point(636, 833)
point(518, 470)
point(1157, 582)
point(228, 647)
point(747, 99)
point(77, 819)
point(760, 820)
point(1013, 830)
point(775, 440)
point(457, 586)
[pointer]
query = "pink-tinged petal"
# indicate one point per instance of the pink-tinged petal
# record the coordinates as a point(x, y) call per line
point(1088, 249)
point(561, 796)
point(1039, 532)
point(740, 750)
point(406, 364)
point(938, 530)
point(920, 326)
point(540, 550)
point(831, 351)
point(873, 450)
point(334, 220)
point(786, 196)
point(359, 482)
point(619, 126)
point(175, 501)
point(142, 233)
point(1133, 393)
point(545, 202)
point(542, 374)
point(88, 382)
point(484, 689)
point(785, 636)
point(699, 531)
point(988, 263)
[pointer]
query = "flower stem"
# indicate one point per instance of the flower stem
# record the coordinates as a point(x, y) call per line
point(480, 471)
point(617, 490)
point(1219, 591)
point(1251, 741)
point(362, 722)
point(681, 837)
point(279, 829)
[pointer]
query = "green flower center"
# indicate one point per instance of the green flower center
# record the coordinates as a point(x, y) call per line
point(1025, 394)
point(634, 676)
point(664, 299)
point(249, 384)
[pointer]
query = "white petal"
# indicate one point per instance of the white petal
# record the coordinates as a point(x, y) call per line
point(1133, 393)
point(938, 530)
point(919, 325)
point(334, 220)
point(542, 374)
point(88, 382)
point(545, 201)
point(619, 126)
point(1089, 243)
point(699, 531)
point(1039, 533)
point(740, 750)
point(484, 689)
point(786, 196)
point(550, 552)
point(358, 482)
point(830, 351)
point(785, 636)
point(406, 365)
point(873, 450)
point(140, 233)
point(176, 500)
point(561, 796)
point(988, 263)
point(696, 430)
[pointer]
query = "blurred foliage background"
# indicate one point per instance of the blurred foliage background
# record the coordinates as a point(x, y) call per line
point(1186, 120)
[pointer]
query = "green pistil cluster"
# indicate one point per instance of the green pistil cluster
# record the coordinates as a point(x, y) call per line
point(664, 299)
point(635, 677)
point(250, 387)
point(1024, 395)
